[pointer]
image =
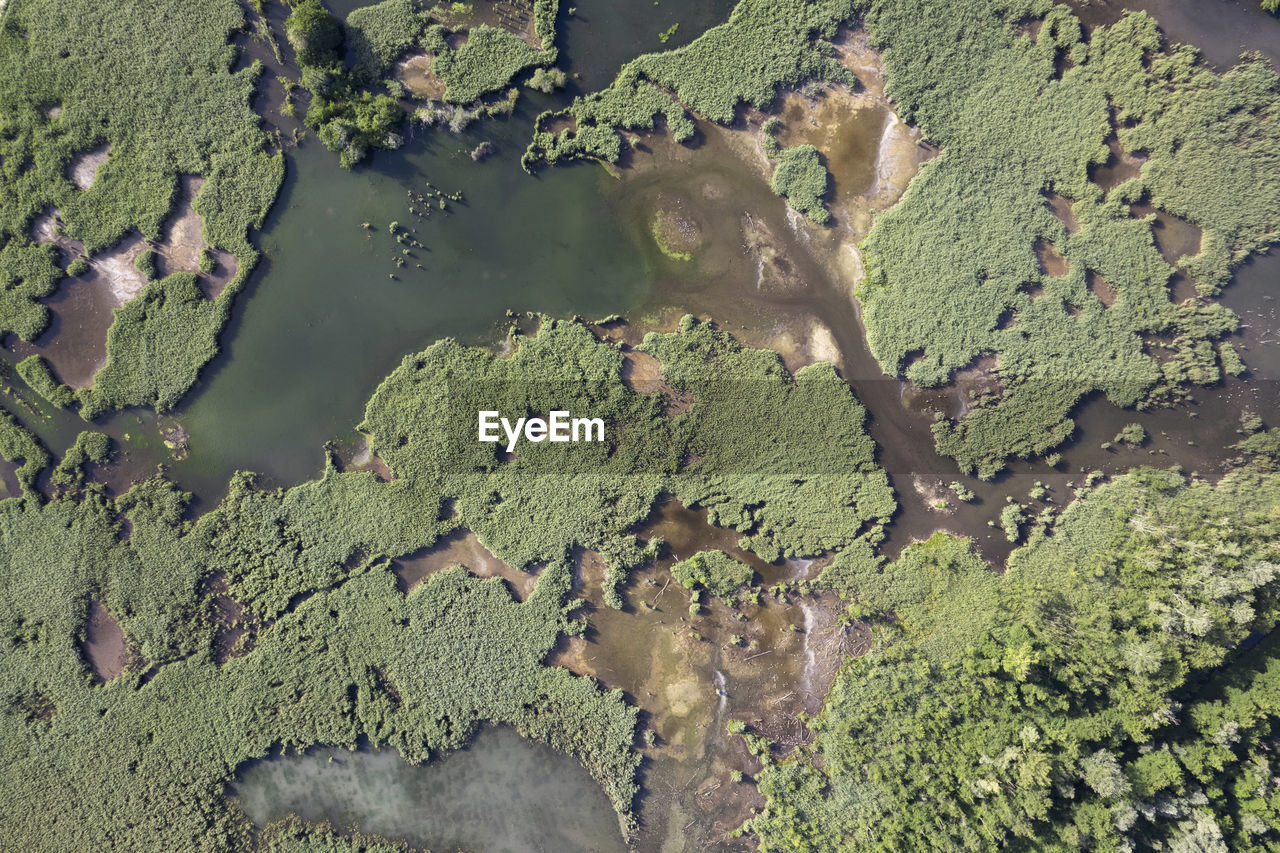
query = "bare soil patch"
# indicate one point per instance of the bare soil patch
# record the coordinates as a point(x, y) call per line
point(83, 169)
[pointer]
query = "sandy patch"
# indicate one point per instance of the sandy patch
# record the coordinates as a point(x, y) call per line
point(642, 373)
point(123, 280)
point(415, 74)
point(83, 169)
point(54, 111)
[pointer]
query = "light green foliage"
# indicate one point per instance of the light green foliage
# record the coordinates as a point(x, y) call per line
point(785, 461)
point(716, 572)
point(1263, 447)
point(946, 269)
point(28, 273)
point(35, 371)
point(1012, 518)
point(546, 80)
point(167, 65)
point(1133, 434)
point(962, 491)
point(1077, 702)
point(801, 179)
point(156, 346)
point(765, 44)
point(487, 62)
point(381, 33)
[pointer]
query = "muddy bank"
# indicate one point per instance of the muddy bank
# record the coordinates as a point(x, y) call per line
point(104, 647)
point(461, 548)
point(691, 667)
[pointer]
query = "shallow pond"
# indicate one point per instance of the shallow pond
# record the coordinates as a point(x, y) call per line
point(503, 794)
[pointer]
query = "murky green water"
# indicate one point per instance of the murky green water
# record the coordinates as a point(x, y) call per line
point(325, 321)
point(502, 794)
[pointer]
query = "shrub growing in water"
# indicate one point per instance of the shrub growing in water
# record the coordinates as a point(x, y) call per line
point(801, 179)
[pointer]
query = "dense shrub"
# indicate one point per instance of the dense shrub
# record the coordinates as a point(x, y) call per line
point(1097, 696)
point(801, 179)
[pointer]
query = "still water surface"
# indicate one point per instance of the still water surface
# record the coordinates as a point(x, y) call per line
point(501, 794)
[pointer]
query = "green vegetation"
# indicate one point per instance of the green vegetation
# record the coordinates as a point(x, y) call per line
point(145, 263)
point(27, 273)
point(716, 572)
point(18, 444)
point(349, 120)
point(166, 65)
point(1132, 434)
point(784, 460)
point(951, 278)
point(155, 347)
point(765, 45)
point(315, 34)
point(35, 371)
point(963, 492)
point(330, 650)
point(381, 33)
point(546, 81)
point(1099, 695)
point(487, 62)
point(353, 120)
point(801, 179)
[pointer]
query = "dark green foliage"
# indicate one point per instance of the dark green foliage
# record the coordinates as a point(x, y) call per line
point(1078, 702)
point(379, 34)
point(357, 125)
point(35, 371)
point(166, 65)
point(952, 276)
point(17, 444)
point(765, 44)
point(27, 273)
point(145, 263)
point(316, 35)
point(716, 572)
point(801, 179)
point(291, 835)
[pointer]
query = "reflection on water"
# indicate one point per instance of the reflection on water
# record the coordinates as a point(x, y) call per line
point(502, 793)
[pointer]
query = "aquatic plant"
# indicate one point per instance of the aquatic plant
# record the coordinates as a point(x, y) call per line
point(1132, 434)
point(801, 179)
point(35, 371)
point(717, 573)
